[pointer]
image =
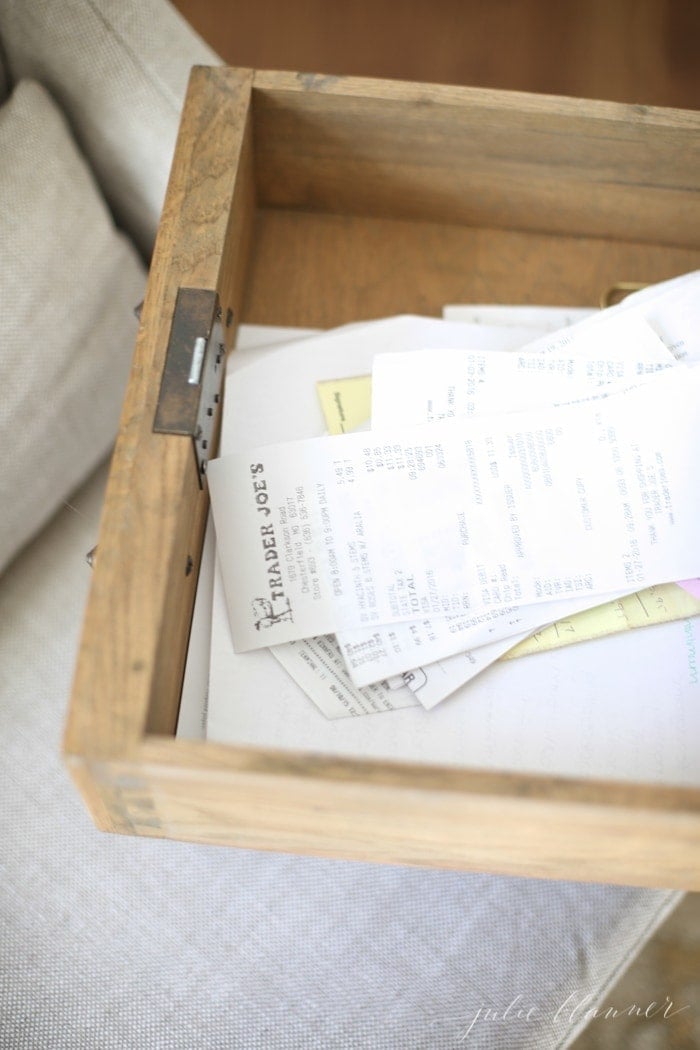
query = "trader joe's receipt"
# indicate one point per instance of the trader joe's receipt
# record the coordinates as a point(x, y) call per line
point(460, 516)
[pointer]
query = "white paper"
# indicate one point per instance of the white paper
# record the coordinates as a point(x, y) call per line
point(259, 409)
point(192, 717)
point(290, 409)
point(460, 516)
point(542, 318)
point(410, 649)
point(429, 385)
point(434, 682)
point(279, 409)
point(622, 707)
point(318, 667)
point(252, 343)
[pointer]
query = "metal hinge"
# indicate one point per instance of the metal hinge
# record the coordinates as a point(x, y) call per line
point(189, 401)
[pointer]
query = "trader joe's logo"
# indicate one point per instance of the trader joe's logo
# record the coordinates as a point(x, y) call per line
point(269, 613)
point(277, 608)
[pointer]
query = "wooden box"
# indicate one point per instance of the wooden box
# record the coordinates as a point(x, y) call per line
point(313, 201)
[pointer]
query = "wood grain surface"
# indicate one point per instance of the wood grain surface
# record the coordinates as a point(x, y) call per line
point(640, 51)
point(484, 158)
point(131, 659)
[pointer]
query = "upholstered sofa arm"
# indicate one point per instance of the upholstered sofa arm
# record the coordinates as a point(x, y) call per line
point(118, 70)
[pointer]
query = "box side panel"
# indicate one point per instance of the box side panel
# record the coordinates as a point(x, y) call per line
point(137, 620)
point(519, 825)
point(482, 158)
point(317, 269)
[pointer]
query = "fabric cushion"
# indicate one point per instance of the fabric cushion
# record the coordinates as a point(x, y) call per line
point(113, 942)
point(68, 286)
point(3, 75)
point(118, 72)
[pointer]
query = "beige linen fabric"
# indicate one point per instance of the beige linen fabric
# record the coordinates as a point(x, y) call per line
point(113, 943)
point(68, 285)
point(3, 75)
point(118, 70)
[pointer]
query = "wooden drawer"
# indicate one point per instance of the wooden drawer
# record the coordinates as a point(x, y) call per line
point(313, 201)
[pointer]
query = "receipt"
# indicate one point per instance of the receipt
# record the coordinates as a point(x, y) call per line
point(391, 649)
point(422, 386)
point(317, 666)
point(461, 516)
point(289, 410)
point(662, 603)
point(429, 385)
point(436, 681)
point(343, 401)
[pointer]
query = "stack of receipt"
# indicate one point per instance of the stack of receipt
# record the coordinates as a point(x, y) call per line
point(511, 477)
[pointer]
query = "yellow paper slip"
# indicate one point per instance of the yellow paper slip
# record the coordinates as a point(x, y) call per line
point(347, 405)
point(659, 604)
